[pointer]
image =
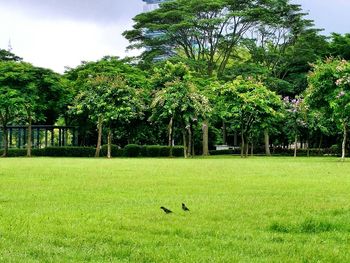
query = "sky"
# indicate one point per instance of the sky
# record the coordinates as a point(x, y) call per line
point(59, 33)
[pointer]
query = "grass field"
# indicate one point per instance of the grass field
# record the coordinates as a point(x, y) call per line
point(254, 210)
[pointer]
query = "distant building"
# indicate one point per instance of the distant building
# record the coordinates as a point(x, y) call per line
point(151, 5)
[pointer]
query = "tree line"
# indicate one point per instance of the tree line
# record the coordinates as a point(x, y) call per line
point(255, 69)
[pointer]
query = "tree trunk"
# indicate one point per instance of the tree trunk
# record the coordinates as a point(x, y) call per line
point(170, 138)
point(184, 142)
point(193, 153)
point(295, 145)
point(5, 141)
point(224, 133)
point(109, 144)
point(189, 147)
point(252, 149)
point(246, 150)
point(320, 144)
point(307, 145)
point(29, 136)
point(99, 137)
point(343, 148)
point(235, 139)
point(205, 138)
point(242, 144)
point(267, 142)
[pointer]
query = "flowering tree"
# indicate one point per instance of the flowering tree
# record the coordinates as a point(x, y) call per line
point(296, 118)
point(329, 87)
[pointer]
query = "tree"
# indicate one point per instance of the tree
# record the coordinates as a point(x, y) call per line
point(207, 32)
point(20, 76)
point(329, 89)
point(107, 66)
point(108, 100)
point(340, 46)
point(247, 103)
point(181, 104)
point(296, 118)
point(10, 106)
point(6, 55)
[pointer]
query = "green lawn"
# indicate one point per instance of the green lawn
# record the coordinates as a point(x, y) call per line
point(99, 210)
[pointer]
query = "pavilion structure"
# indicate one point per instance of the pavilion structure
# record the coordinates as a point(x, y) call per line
point(42, 136)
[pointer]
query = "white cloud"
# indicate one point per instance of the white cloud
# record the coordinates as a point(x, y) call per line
point(60, 42)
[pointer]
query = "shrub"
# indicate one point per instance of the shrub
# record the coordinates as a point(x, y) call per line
point(164, 151)
point(334, 149)
point(143, 151)
point(221, 152)
point(153, 150)
point(160, 151)
point(15, 152)
point(178, 151)
point(70, 151)
point(116, 151)
point(132, 150)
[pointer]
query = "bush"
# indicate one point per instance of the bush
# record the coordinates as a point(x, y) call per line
point(221, 152)
point(164, 151)
point(70, 151)
point(153, 150)
point(178, 151)
point(160, 151)
point(116, 151)
point(132, 150)
point(143, 151)
point(15, 152)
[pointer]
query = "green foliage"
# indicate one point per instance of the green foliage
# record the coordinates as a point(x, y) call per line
point(247, 104)
point(153, 151)
point(223, 152)
point(329, 93)
point(178, 151)
point(6, 55)
point(132, 150)
point(69, 151)
point(116, 151)
point(340, 46)
point(333, 151)
point(208, 32)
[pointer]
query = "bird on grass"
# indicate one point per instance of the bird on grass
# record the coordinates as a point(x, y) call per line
point(185, 208)
point(166, 210)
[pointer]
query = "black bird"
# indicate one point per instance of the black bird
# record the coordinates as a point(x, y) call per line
point(166, 210)
point(184, 207)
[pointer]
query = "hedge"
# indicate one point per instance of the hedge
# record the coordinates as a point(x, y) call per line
point(69, 151)
point(281, 152)
point(54, 152)
point(132, 150)
point(116, 151)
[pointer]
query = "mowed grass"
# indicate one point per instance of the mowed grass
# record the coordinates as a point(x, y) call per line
point(242, 210)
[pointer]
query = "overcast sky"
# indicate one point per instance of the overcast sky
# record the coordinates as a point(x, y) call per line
point(58, 33)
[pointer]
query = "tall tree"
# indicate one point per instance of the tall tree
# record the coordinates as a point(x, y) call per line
point(207, 32)
point(329, 89)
